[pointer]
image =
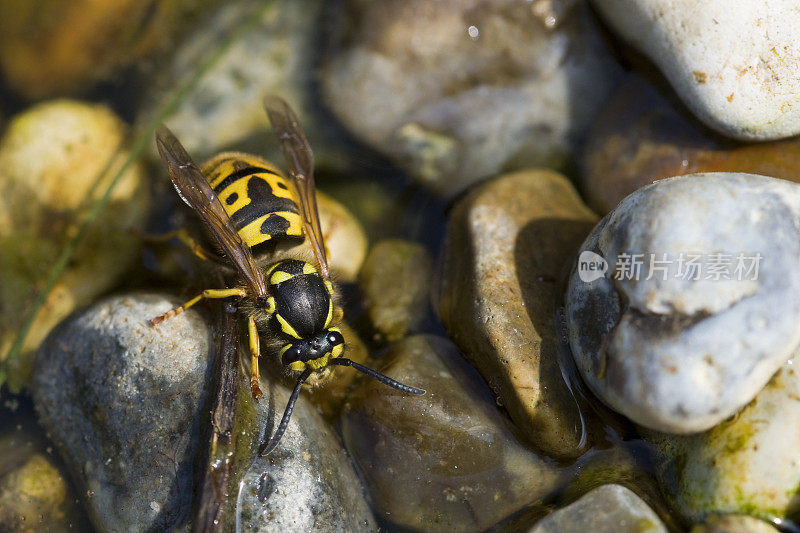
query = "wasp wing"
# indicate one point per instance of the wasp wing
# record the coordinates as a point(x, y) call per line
point(300, 162)
point(198, 194)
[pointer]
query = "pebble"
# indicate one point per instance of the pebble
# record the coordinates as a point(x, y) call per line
point(34, 494)
point(734, 524)
point(122, 401)
point(454, 92)
point(675, 353)
point(445, 461)
point(733, 63)
point(606, 509)
point(748, 464)
point(51, 157)
point(308, 482)
point(275, 55)
point(395, 281)
point(644, 135)
point(61, 48)
point(506, 248)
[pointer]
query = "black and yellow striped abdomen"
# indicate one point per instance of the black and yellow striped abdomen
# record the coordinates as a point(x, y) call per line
point(256, 196)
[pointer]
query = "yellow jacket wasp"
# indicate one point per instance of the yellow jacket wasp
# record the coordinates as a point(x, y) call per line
point(246, 203)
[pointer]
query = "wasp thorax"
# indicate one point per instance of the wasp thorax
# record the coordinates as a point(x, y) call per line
point(315, 351)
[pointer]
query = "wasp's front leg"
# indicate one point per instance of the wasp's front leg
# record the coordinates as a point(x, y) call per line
point(207, 294)
point(255, 352)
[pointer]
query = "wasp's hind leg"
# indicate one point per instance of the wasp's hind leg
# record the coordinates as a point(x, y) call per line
point(255, 352)
point(186, 239)
point(207, 294)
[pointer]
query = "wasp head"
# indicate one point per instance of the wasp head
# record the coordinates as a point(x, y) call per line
point(313, 352)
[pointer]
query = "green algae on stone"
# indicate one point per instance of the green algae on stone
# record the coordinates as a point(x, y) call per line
point(55, 160)
point(734, 524)
point(34, 494)
point(749, 464)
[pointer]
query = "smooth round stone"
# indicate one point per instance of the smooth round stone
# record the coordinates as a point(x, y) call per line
point(34, 494)
point(395, 280)
point(445, 461)
point(122, 401)
point(749, 464)
point(734, 63)
point(308, 482)
point(52, 156)
point(57, 48)
point(506, 248)
point(672, 352)
point(457, 91)
point(276, 55)
point(606, 509)
point(345, 238)
point(643, 135)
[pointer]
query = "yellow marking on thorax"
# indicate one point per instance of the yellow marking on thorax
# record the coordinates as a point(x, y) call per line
point(308, 268)
point(286, 327)
point(330, 313)
point(279, 276)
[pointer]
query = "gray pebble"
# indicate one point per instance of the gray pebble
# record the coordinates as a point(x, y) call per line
point(682, 351)
point(122, 401)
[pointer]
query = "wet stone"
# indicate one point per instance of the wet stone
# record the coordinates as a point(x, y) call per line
point(445, 461)
point(122, 401)
point(682, 351)
point(345, 238)
point(507, 246)
point(749, 464)
point(395, 280)
point(34, 495)
point(275, 55)
point(457, 91)
point(52, 156)
point(734, 524)
point(644, 134)
point(733, 63)
point(54, 48)
point(606, 509)
point(308, 482)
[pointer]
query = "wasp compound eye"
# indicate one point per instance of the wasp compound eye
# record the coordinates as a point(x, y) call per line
point(291, 354)
point(334, 337)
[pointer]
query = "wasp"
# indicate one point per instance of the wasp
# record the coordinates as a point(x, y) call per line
point(245, 203)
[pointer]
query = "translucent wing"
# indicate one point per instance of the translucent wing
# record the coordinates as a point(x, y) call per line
point(198, 194)
point(300, 162)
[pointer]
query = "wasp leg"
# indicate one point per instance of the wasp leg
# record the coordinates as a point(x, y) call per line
point(207, 294)
point(255, 352)
point(186, 239)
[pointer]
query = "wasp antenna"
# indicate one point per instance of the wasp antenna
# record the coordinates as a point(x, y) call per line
point(287, 414)
point(374, 374)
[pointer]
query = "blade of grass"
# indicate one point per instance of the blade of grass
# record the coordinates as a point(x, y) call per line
point(138, 146)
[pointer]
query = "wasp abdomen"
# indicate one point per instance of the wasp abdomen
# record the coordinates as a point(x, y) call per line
point(256, 197)
point(302, 301)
